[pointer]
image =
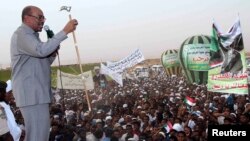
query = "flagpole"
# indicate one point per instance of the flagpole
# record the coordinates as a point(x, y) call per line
point(80, 65)
point(78, 58)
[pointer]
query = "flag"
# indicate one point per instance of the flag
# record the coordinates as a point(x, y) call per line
point(168, 126)
point(227, 73)
point(190, 101)
point(215, 53)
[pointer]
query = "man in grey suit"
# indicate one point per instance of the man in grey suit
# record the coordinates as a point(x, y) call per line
point(30, 61)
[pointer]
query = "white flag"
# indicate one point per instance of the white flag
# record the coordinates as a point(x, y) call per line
point(115, 76)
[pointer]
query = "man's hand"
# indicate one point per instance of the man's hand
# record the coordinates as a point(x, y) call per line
point(70, 26)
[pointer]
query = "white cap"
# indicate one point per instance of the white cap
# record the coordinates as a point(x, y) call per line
point(108, 118)
point(99, 111)
point(9, 87)
point(246, 105)
point(86, 114)
point(125, 105)
point(233, 114)
point(172, 99)
point(201, 117)
point(121, 120)
point(139, 107)
point(93, 101)
point(56, 116)
point(163, 134)
point(177, 127)
point(98, 120)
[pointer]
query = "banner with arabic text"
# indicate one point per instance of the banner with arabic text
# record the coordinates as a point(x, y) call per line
point(70, 81)
point(115, 76)
point(198, 56)
point(129, 61)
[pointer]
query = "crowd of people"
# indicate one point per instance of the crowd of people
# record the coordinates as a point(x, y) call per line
point(144, 109)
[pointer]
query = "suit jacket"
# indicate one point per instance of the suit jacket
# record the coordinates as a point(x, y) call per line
point(30, 62)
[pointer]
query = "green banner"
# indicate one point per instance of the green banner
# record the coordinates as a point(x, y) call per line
point(171, 63)
point(170, 60)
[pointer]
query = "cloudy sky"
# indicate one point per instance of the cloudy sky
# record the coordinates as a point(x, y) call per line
point(111, 29)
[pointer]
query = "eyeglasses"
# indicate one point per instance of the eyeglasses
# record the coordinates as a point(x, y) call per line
point(40, 17)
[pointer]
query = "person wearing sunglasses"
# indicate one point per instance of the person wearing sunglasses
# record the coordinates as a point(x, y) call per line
point(31, 59)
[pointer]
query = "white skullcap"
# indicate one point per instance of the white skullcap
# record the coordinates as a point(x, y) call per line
point(201, 117)
point(108, 118)
point(177, 94)
point(172, 99)
point(93, 101)
point(180, 88)
point(121, 120)
point(163, 134)
point(125, 105)
point(99, 111)
point(56, 116)
point(225, 96)
point(9, 87)
point(178, 127)
point(233, 114)
point(178, 97)
point(246, 105)
point(98, 120)
point(96, 68)
point(139, 107)
point(85, 114)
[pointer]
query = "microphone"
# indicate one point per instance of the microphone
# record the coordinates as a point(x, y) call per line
point(49, 32)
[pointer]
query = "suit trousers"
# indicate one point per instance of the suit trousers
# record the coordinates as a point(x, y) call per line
point(36, 122)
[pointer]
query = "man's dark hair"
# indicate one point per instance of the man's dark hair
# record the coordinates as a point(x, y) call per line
point(173, 138)
point(98, 133)
point(108, 132)
point(137, 123)
point(113, 138)
point(3, 86)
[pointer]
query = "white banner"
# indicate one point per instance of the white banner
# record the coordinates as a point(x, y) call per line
point(129, 61)
point(115, 76)
point(70, 81)
point(108, 63)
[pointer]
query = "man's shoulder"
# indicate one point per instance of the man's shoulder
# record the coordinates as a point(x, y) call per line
point(24, 29)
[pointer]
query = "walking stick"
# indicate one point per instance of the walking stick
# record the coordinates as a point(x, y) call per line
point(68, 9)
